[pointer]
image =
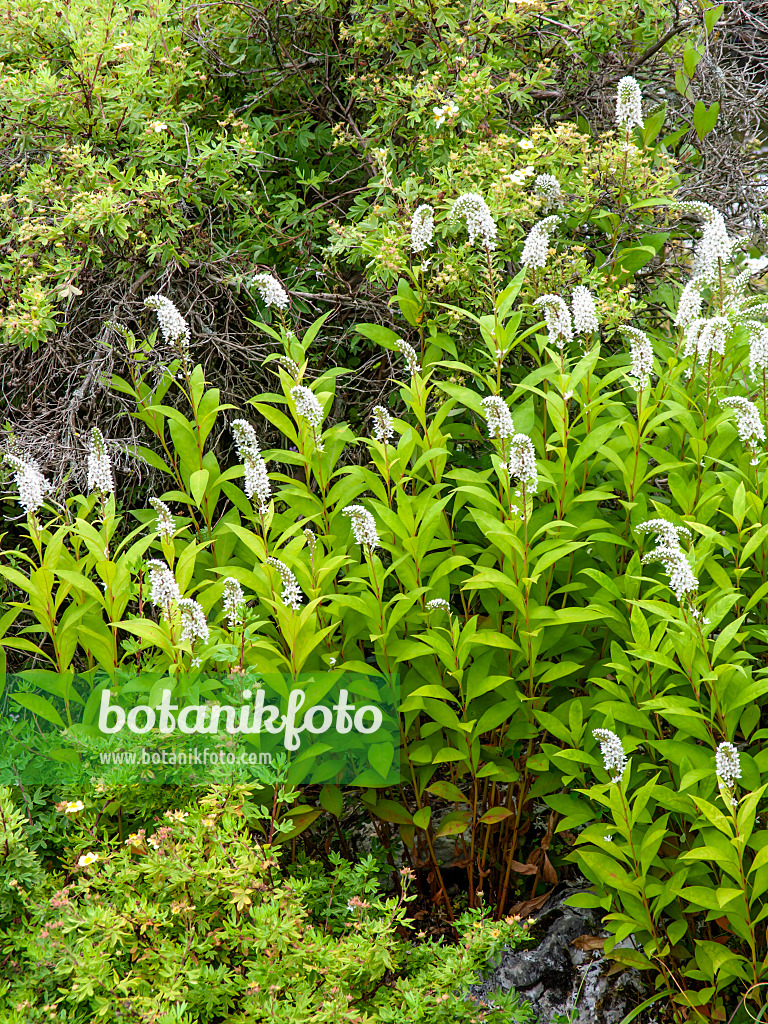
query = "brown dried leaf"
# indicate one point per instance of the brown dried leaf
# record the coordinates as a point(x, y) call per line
point(588, 942)
point(548, 872)
point(523, 869)
point(528, 906)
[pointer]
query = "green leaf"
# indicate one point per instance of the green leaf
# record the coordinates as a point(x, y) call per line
point(447, 791)
point(704, 120)
point(39, 706)
point(495, 815)
point(332, 800)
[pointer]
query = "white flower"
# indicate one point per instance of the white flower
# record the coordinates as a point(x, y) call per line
point(74, 806)
point(437, 603)
point(363, 525)
point(607, 839)
point(584, 312)
point(705, 336)
point(522, 462)
point(193, 624)
point(233, 600)
point(288, 364)
point(727, 767)
point(382, 424)
point(411, 359)
point(478, 218)
point(754, 266)
point(256, 480)
point(153, 126)
point(311, 540)
point(525, 144)
point(422, 228)
point(668, 551)
point(715, 247)
point(87, 859)
point(498, 416)
point(748, 422)
point(271, 291)
point(612, 752)
point(441, 113)
point(629, 104)
point(689, 306)
point(291, 595)
point(669, 533)
point(164, 525)
point(758, 348)
point(173, 326)
point(536, 246)
point(641, 354)
point(99, 466)
point(309, 407)
point(548, 187)
point(163, 586)
point(31, 483)
point(557, 318)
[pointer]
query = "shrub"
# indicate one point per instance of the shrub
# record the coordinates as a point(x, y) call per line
point(191, 920)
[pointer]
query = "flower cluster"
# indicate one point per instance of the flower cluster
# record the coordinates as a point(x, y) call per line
point(671, 555)
point(233, 600)
point(441, 113)
point(256, 480)
point(557, 318)
point(689, 305)
point(748, 422)
point(163, 586)
point(409, 353)
point(99, 466)
point(522, 464)
point(474, 209)
point(629, 104)
point(311, 540)
point(584, 312)
point(705, 336)
point(193, 623)
point(536, 246)
point(164, 525)
point(727, 767)
point(438, 604)
point(758, 348)
point(271, 291)
point(715, 247)
point(548, 187)
point(612, 752)
point(173, 326)
point(291, 595)
point(382, 424)
point(308, 406)
point(363, 525)
point(31, 483)
point(641, 355)
point(422, 228)
point(290, 365)
point(498, 417)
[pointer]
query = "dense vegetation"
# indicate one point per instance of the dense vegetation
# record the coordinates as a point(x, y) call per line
point(515, 472)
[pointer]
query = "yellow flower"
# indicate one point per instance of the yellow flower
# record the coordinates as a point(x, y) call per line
point(87, 859)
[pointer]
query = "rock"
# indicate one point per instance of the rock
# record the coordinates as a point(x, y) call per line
point(557, 977)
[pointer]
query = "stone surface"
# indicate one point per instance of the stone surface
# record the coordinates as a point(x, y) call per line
point(557, 978)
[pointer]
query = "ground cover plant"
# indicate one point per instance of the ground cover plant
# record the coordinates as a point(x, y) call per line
point(546, 528)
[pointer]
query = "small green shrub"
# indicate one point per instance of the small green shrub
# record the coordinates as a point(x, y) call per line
point(193, 920)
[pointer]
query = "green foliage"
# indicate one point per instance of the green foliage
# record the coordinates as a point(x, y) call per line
point(193, 919)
